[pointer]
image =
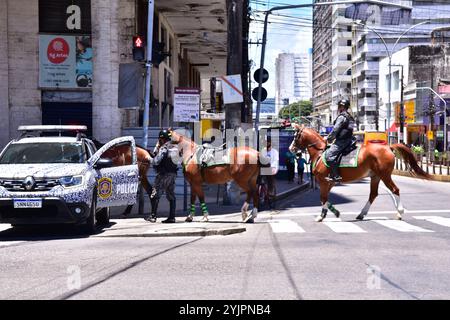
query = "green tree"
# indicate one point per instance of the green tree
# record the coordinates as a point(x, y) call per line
point(294, 110)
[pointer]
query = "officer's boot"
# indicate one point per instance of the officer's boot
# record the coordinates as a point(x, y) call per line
point(171, 218)
point(152, 217)
point(334, 173)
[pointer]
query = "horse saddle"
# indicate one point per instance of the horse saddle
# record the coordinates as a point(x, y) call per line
point(211, 156)
point(348, 158)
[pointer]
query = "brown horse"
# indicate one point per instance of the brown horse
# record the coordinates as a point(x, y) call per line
point(242, 167)
point(374, 160)
point(121, 155)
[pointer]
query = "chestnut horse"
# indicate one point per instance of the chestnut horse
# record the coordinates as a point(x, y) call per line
point(242, 167)
point(374, 160)
point(121, 155)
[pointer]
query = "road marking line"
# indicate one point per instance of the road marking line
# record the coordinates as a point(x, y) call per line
point(9, 243)
point(435, 219)
point(397, 225)
point(285, 226)
point(4, 227)
point(339, 226)
point(355, 213)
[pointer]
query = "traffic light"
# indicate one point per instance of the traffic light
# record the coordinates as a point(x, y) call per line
point(265, 77)
point(138, 48)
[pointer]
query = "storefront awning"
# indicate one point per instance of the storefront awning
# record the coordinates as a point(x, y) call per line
point(396, 126)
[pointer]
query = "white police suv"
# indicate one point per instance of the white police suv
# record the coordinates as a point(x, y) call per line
point(46, 177)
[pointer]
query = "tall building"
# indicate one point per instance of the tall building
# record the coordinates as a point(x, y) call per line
point(321, 65)
point(368, 49)
point(332, 43)
point(293, 78)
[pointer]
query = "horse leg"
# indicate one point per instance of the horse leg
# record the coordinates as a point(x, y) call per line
point(336, 212)
point(201, 197)
point(374, 183)
point(396, 195)
point(253, 192)
point(191, 214)
point(324, 191)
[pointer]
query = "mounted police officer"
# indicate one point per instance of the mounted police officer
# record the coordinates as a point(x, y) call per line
point(342, 134)
point(166, 168)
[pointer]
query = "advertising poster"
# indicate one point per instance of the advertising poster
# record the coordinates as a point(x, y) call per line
point(65, 61)
point(186, 105)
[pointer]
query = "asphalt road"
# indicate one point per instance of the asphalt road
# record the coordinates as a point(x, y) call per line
point(285, 255)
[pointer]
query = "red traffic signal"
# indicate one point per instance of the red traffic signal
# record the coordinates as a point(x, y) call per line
point(138, 42)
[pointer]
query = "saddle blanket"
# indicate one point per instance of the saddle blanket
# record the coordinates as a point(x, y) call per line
point(348, 161)
point(209, 157)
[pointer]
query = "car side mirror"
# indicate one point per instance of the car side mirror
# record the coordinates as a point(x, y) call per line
point(103, 163)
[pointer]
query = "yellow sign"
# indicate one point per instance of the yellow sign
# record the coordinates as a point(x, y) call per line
point(430, 135)
point(409, 109)
point(104, 188)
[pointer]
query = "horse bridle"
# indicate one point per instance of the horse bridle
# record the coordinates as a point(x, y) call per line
point(298, 134)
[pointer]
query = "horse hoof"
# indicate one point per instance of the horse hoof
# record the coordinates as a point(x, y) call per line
point(205, 218)
point(189, 219)
point(398, 216)
point(360, 217)
point(319, 218)
point(244, 217)
point(251, 220)
point(337, 214)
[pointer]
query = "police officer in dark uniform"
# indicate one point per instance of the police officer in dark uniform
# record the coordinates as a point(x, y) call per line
point(342, 134)
point(166, 167)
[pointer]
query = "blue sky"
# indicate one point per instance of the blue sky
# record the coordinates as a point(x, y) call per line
point(289, 31)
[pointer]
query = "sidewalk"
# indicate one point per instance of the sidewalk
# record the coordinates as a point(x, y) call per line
point(223, 220)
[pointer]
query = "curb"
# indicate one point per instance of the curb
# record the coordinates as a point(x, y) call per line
point(290, 192)
point(204, 232)
point(436, 177)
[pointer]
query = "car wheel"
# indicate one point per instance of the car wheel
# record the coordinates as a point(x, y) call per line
point(90, 226)
point(103, 216)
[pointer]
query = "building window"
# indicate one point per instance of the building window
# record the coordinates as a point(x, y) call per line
point(396, 80)
point(349, 43)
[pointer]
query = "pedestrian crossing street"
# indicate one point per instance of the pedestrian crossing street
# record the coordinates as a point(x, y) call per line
point(306, 224)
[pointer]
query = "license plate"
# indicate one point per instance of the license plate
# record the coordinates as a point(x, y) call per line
point(27, 203)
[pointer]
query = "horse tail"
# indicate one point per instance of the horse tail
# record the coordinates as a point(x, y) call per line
point(411, 161)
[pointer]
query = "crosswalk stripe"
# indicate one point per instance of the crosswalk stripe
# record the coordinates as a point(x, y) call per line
point(285, 226)
point(4, 227)
point(397, 225)
point(435, 219)
point(339, 226)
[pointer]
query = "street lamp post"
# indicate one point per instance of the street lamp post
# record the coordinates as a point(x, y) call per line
point(278, 8)
point(389, 53)
point(445, 112)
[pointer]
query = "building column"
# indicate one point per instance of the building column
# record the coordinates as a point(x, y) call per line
point(4, 104)
point(106, 116)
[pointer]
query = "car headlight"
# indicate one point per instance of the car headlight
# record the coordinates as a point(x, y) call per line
point(71, 181)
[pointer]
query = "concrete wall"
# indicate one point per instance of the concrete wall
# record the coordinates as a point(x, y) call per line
point(23, 63)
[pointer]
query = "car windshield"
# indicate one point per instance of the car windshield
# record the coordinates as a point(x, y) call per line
point(19, 153)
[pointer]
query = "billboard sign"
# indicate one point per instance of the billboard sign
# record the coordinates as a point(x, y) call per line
point(65, 61)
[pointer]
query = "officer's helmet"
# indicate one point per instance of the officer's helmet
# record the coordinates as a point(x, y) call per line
point(344, 103)
point(165, 134)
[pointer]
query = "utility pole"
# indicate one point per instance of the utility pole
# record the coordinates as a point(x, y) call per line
point(233, 112)
point(377, 107)
point(234, 58)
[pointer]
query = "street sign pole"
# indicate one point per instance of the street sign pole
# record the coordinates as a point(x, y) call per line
point(148, 74)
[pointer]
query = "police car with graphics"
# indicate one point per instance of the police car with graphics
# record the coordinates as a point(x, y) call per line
point(47, 178)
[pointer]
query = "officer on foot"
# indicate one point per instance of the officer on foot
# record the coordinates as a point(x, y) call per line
point(166, 168)
point(342, 134)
